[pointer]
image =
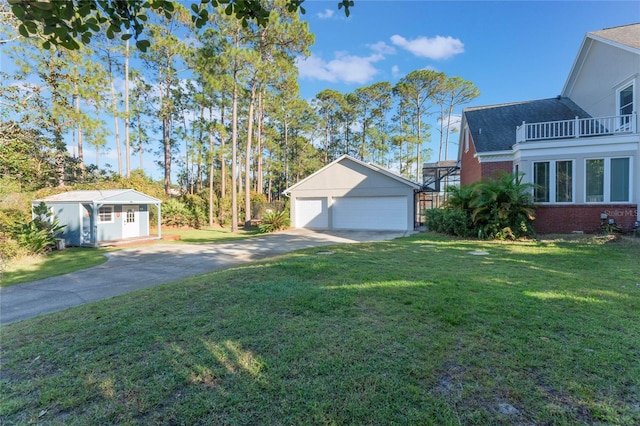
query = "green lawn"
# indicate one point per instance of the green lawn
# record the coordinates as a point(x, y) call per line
point(208, 235)
point(34, 268)
point(410, 331)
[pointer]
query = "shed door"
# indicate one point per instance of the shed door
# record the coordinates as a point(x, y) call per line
point(130, 221)
point(311, 213)
point(371, 213)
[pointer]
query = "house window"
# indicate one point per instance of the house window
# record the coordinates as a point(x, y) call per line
point(608, 180)
point(619, 185)
point(553, 181)
point(564, 181)
point(595, 181)
point(625, 107)
point(105, 214)
point(541, 179)
point(466, 140)
point(625, 100)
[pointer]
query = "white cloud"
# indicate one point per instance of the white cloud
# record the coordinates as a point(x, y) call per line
point(344, 68)
point(395, 71)
point(326, 14)
point(433, 48)
point(382, 48)
point(454, 124)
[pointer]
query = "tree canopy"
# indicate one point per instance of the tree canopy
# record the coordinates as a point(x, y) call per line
point(69, 23)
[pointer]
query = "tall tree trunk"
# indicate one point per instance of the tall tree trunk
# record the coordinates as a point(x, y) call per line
point(166, 144)
point(259, 177)
point(127, 142)
point(116, 126)
point(418, 149)
point(140, 148)
point(79, 130)
point(234, 154)
point(223, 161)
point(247, 162)
point(211, 157)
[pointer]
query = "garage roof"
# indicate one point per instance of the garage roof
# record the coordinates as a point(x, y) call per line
point(370, 166)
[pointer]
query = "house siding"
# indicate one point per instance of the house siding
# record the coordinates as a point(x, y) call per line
point(602, 70)
point(552, 219)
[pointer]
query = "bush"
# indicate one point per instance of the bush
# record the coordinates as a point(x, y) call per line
point(499, 208)
point(175, 213)
point(39, 235)
point(274, 221)
point(450, 221)
point(224, 210)
point(197, 207)
point(9, 248)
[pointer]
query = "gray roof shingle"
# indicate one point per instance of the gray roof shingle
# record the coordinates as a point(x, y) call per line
point(493, 127)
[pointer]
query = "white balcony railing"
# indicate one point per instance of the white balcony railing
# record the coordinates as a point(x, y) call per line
point(577, 128)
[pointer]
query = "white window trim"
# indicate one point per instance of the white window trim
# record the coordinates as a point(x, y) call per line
point(607, 180)
point(552, 180)
point(111, 214)
point(629, 83)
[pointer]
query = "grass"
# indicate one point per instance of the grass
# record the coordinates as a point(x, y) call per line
point(410, 331)
point(32, 268)
point(208, 235)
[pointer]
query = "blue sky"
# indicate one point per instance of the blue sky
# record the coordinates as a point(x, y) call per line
point(511, 50)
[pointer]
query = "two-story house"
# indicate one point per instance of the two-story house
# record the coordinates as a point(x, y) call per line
point(581, 149)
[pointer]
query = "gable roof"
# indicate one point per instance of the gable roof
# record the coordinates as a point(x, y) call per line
point(370, 166)
point(493, 127)
point(111, 196)
point(626, 35)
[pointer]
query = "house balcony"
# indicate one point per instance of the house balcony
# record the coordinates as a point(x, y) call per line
point(577, 128)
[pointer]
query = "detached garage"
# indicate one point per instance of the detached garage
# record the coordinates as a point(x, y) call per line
point(352, 195)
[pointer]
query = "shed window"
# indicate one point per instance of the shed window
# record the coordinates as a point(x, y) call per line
point(105, 214)
point(131, 216)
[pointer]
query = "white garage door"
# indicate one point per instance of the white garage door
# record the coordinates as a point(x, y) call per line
point(311, 213)
point(381, 213)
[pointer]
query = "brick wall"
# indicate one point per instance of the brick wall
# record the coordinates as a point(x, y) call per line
point(581, 217)
point(491, 170)
point(470, 170)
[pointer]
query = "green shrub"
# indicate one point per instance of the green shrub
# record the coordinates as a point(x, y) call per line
point(224, 210)
point(452, 221)
point(197, 207)
point(38, 235)
point(175, 213)
point(9, 248)
point(500, 208)
point(274, 221)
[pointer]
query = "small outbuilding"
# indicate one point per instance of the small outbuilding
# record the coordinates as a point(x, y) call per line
point(349, 194)
point(102, 217)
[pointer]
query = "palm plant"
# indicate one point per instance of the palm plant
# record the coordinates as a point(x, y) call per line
point(502, 207)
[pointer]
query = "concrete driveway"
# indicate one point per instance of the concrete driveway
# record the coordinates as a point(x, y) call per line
point(147, 266)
